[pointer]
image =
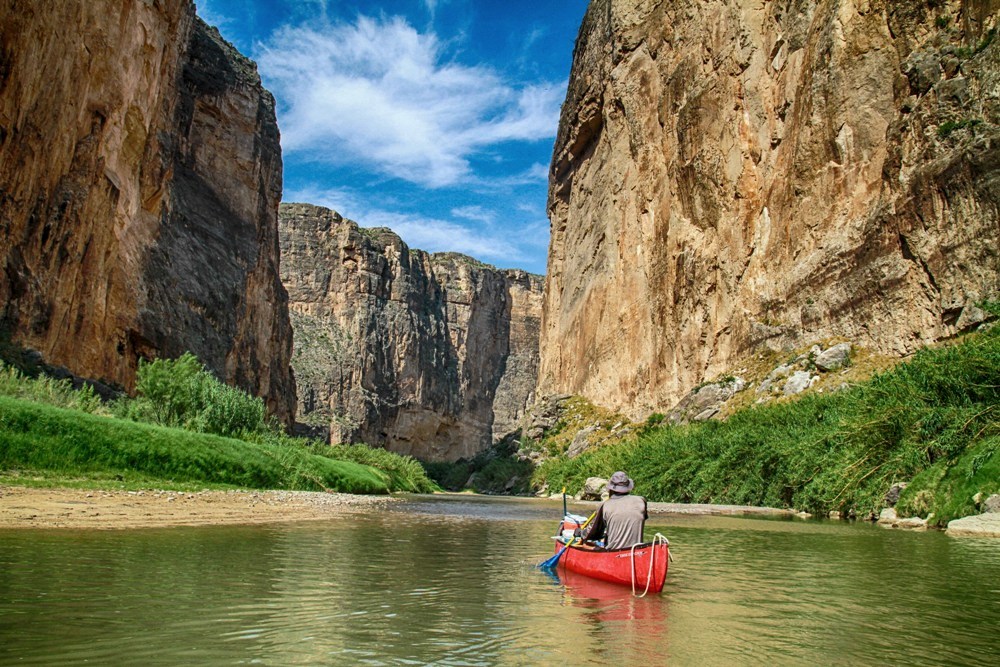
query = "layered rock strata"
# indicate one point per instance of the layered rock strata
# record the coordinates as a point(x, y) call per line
point(140, 175)
point(730, 176)
point(431, 355)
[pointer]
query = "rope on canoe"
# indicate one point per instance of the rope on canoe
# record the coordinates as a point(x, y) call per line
point(657, 539)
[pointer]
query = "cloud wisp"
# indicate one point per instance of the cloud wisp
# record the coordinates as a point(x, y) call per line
point(473, 230)
point(379, 93)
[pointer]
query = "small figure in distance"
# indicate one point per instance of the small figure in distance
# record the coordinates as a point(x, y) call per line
point(621, 518)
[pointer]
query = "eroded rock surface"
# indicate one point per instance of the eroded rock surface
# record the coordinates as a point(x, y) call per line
point(731, 176)
point(140, 175)
point(432, 355)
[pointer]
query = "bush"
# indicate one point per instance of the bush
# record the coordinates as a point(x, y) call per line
point(182, 393)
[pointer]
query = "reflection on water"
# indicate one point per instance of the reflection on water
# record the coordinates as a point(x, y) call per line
point(452, 581)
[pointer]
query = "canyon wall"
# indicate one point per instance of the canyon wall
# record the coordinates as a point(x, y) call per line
point(140, 176)
point(431, 355)
point(731, 176)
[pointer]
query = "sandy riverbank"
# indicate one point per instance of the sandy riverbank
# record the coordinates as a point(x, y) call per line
point(22, 507)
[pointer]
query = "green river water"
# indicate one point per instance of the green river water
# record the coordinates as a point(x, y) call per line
point(452, 581)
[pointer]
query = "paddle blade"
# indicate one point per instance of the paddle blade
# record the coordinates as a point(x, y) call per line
point(554, 560)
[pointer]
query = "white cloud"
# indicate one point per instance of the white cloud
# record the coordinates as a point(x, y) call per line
point(210, 16)
point(428, 233)
point(474, 213)
point(431, 6)
point(435, 235)
point(381, 93)
point(341, 200)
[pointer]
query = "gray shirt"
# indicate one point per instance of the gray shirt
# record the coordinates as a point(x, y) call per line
point(622, 518)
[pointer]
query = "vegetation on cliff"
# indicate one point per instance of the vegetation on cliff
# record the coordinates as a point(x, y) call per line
point(184, 426)
point(934, 419)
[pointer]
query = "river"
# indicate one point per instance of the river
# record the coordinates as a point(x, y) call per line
point(451, 580)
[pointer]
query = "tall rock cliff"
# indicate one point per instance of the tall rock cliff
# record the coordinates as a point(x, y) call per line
point(140, 176)
point(431, 355)
point(730, 175)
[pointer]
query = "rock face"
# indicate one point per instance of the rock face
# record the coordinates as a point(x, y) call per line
point(140, 176)
point(434, 356)
point(732, 175)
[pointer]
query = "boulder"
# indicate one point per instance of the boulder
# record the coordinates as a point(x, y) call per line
point(992, 504)
point(706, 401)
point(888, 517)
point(971, 316)
point(581, 442)
point(892, 496)
point(781, 372)
point(982, 525)
point(798, 382)
point(595, 488)
point(912, 523)
point(833, 358)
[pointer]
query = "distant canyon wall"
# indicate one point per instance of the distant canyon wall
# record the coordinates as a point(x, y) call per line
point(431, 355)
point(140, 176)
point(731, 176)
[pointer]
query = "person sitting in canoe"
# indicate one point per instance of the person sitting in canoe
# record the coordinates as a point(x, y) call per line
point(621, 518)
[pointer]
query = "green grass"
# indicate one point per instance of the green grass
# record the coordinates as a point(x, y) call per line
point(210, 433)
point(404, 472)
point(934, 420)
point(70, 443)
point(42, 389)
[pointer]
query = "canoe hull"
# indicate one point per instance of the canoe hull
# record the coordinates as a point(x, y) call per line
point(617, 566)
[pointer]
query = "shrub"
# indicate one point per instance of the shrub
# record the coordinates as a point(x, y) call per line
point(182, 393)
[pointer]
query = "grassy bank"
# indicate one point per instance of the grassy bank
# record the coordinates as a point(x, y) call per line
point(934, 420)
point(183, 429)
point(67, 443)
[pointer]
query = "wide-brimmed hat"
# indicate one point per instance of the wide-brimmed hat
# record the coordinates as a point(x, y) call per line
point(620, 483)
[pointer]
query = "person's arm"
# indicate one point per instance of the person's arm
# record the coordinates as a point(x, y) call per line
point(596, 527)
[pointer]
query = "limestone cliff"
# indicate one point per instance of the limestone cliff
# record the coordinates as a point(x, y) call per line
point(140, 175)
point(731, 175)
point(432, 355)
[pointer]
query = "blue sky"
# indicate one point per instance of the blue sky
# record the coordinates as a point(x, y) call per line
point(435, 118)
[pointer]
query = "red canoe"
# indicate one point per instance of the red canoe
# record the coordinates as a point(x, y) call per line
point(643, 567)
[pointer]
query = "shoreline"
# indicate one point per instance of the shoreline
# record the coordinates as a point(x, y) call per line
point(59, 508)
point(42, 508)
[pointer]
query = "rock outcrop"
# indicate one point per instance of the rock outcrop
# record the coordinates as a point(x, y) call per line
point(140, 176)
point(981, 525)
point(732, 176)
point(431, 355)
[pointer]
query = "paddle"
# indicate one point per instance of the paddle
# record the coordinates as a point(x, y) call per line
point(554, 560)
